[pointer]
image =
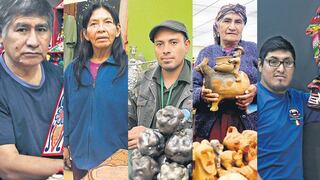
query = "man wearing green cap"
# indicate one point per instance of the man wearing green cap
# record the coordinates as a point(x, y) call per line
point(169, 83)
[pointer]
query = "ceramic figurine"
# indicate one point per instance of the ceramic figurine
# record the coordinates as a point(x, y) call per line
point(151, 143)
point(179, 146)
point(230, 64)
point(173, 171)
point(168, 119)
point(225, 79)
point(144, 168)
point(313, 30)
point(204, 157)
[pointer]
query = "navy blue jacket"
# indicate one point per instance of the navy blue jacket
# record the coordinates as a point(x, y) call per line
point(96, 114)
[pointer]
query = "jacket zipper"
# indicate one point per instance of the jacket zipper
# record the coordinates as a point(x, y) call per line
point(94, 81)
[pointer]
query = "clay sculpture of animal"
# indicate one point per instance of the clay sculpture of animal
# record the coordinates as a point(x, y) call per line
point(245, 141)
point(230, 64)
point(230, 159)
point(225, 79)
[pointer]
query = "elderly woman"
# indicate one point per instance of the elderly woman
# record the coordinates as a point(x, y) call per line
point(228, 28)
point(96, 90)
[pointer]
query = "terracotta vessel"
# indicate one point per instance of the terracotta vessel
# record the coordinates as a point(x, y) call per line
point(225, 79)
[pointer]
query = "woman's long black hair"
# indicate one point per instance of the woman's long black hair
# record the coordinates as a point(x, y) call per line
point(86, 50)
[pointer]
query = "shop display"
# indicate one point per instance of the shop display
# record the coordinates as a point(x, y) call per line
point(137, 64)
point(313, 30)
point(164, 152)
point(225, 79)
point(237, 155)
point(55, 53)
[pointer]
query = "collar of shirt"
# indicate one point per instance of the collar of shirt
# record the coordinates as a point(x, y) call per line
point(185, 74)
point(110, 61)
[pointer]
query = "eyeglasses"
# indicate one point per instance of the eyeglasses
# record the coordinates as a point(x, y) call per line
point(276, 63)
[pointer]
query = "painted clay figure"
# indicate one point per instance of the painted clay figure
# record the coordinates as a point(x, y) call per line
point(313, 30)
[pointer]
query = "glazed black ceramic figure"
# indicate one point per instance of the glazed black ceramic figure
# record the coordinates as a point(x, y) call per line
point(173, 171)
point(169, 119)
point(144, 168)
point(179, 146)
point(151, 143)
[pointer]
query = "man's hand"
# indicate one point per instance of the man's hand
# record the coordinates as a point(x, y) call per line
point(17, 166)
point(133, 136)
point(208, 96)
point(66, 158)
point(243, 101)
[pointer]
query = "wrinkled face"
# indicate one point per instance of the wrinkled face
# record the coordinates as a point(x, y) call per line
point(26, 41)
point(170, 49)
point(276, 79)
point(101, 30)
point(230, 28)
point(206, 158)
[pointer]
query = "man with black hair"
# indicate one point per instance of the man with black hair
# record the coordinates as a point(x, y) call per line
point(281, 112)
point(30, 88)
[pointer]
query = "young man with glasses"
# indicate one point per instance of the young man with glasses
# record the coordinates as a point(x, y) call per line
point(281, 112)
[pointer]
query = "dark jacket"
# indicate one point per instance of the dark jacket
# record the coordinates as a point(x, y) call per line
point(95, 114)
point(143, 99)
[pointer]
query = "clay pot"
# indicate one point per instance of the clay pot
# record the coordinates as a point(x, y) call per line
point(226, 84)
point(223, 64)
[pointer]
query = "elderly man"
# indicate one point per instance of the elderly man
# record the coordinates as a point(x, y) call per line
point(167, 84)
point(29, 89)
point(281, 112)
